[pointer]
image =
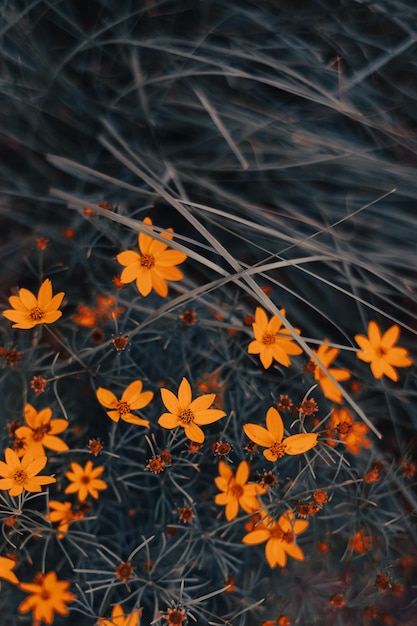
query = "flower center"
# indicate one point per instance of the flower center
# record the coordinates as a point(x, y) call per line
point(276, 532)
point(20, 477)
point(186, 416)
point(123, 407)
point(344, 427)
point(85, 480)
point(380, 352)
point(148, 261)
point(288, 537)
point(40, 432)
point(45, 595)
point(124, 571)
point(237, 491)
point(36, 314)
point(278, 450)
point(268, 339)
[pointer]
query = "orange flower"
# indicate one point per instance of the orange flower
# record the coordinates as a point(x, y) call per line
point(326, 356)
point(352, 433)
point(85, 480)
point(19, 474)
point(174, 617)
point(270, 345)
point(187, 413)
point(29, 311)
point(133, 398)
point(360, 543)
point(272, 437)
point(6, 566)
point(62, 512)
point(120, 618)
point(154, 265)
point(279, 536)
point(379, 351)
point(236, 490)
point(40, 431)
point(48, 595)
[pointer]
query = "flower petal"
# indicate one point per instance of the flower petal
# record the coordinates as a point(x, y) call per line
point(184, 394)
point(259, 435)
point(274, 424)
point(106, 398)
point(298, 444)
point(171, 401)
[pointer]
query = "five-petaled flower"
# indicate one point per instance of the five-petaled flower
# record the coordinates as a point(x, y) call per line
point(48, 595)
point(279, 536)
point(6, 566)
point(326, 356)
point(236, 490)
point(120, 618)
point(380, 351)
point(271, 341)
point(188, 413)
point(133, 398)
point(85, 481)
point(28, 310)
point(154, 265)
point(272, 437)
point(19, 474)
point(360, 542)
point(40, 432)
point(353, 434)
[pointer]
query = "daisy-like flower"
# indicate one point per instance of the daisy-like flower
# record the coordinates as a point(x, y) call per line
point(279, 536)
point(188, 413)
point(379, 350)
point(48, 595)
point(236, 490)
point(62, 513)
point(326, 356)
point(174, 617)
point(85, 481)
point(154, 265)
point(272, 437)
point(19, 474)
point(6, 566)
point(120, 618)
point(133, 398)
point(41, 431)
point(353, 434)
point(28, 310)
point(272, 342)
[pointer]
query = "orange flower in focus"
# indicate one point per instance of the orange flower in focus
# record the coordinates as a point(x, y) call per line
point(352, 433)
point(188, 413)
point(326, 356)
point(85, 480)
point(29, 311)
point(48, 596)
point(280, 538)
point(41, 431)
point(133, 398)
point(154, 265)
point(272, 437)
point(268, 343)
point(380, 351)
point(236, 490)
point(19, 474)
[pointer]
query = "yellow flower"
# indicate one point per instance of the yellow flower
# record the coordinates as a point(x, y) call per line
point(272, 437)
point(6, 566)
point(379, 351)
point(236, 491)
point(187, 413)
point(132, 399)
point(28, 311)
point(153, 266)
point(19, 474)
point(48, 595)
point(119, 618)
point(326, 356)
point(279, 536)
point(40, 431)
point(85, 480)
point(270, 345)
